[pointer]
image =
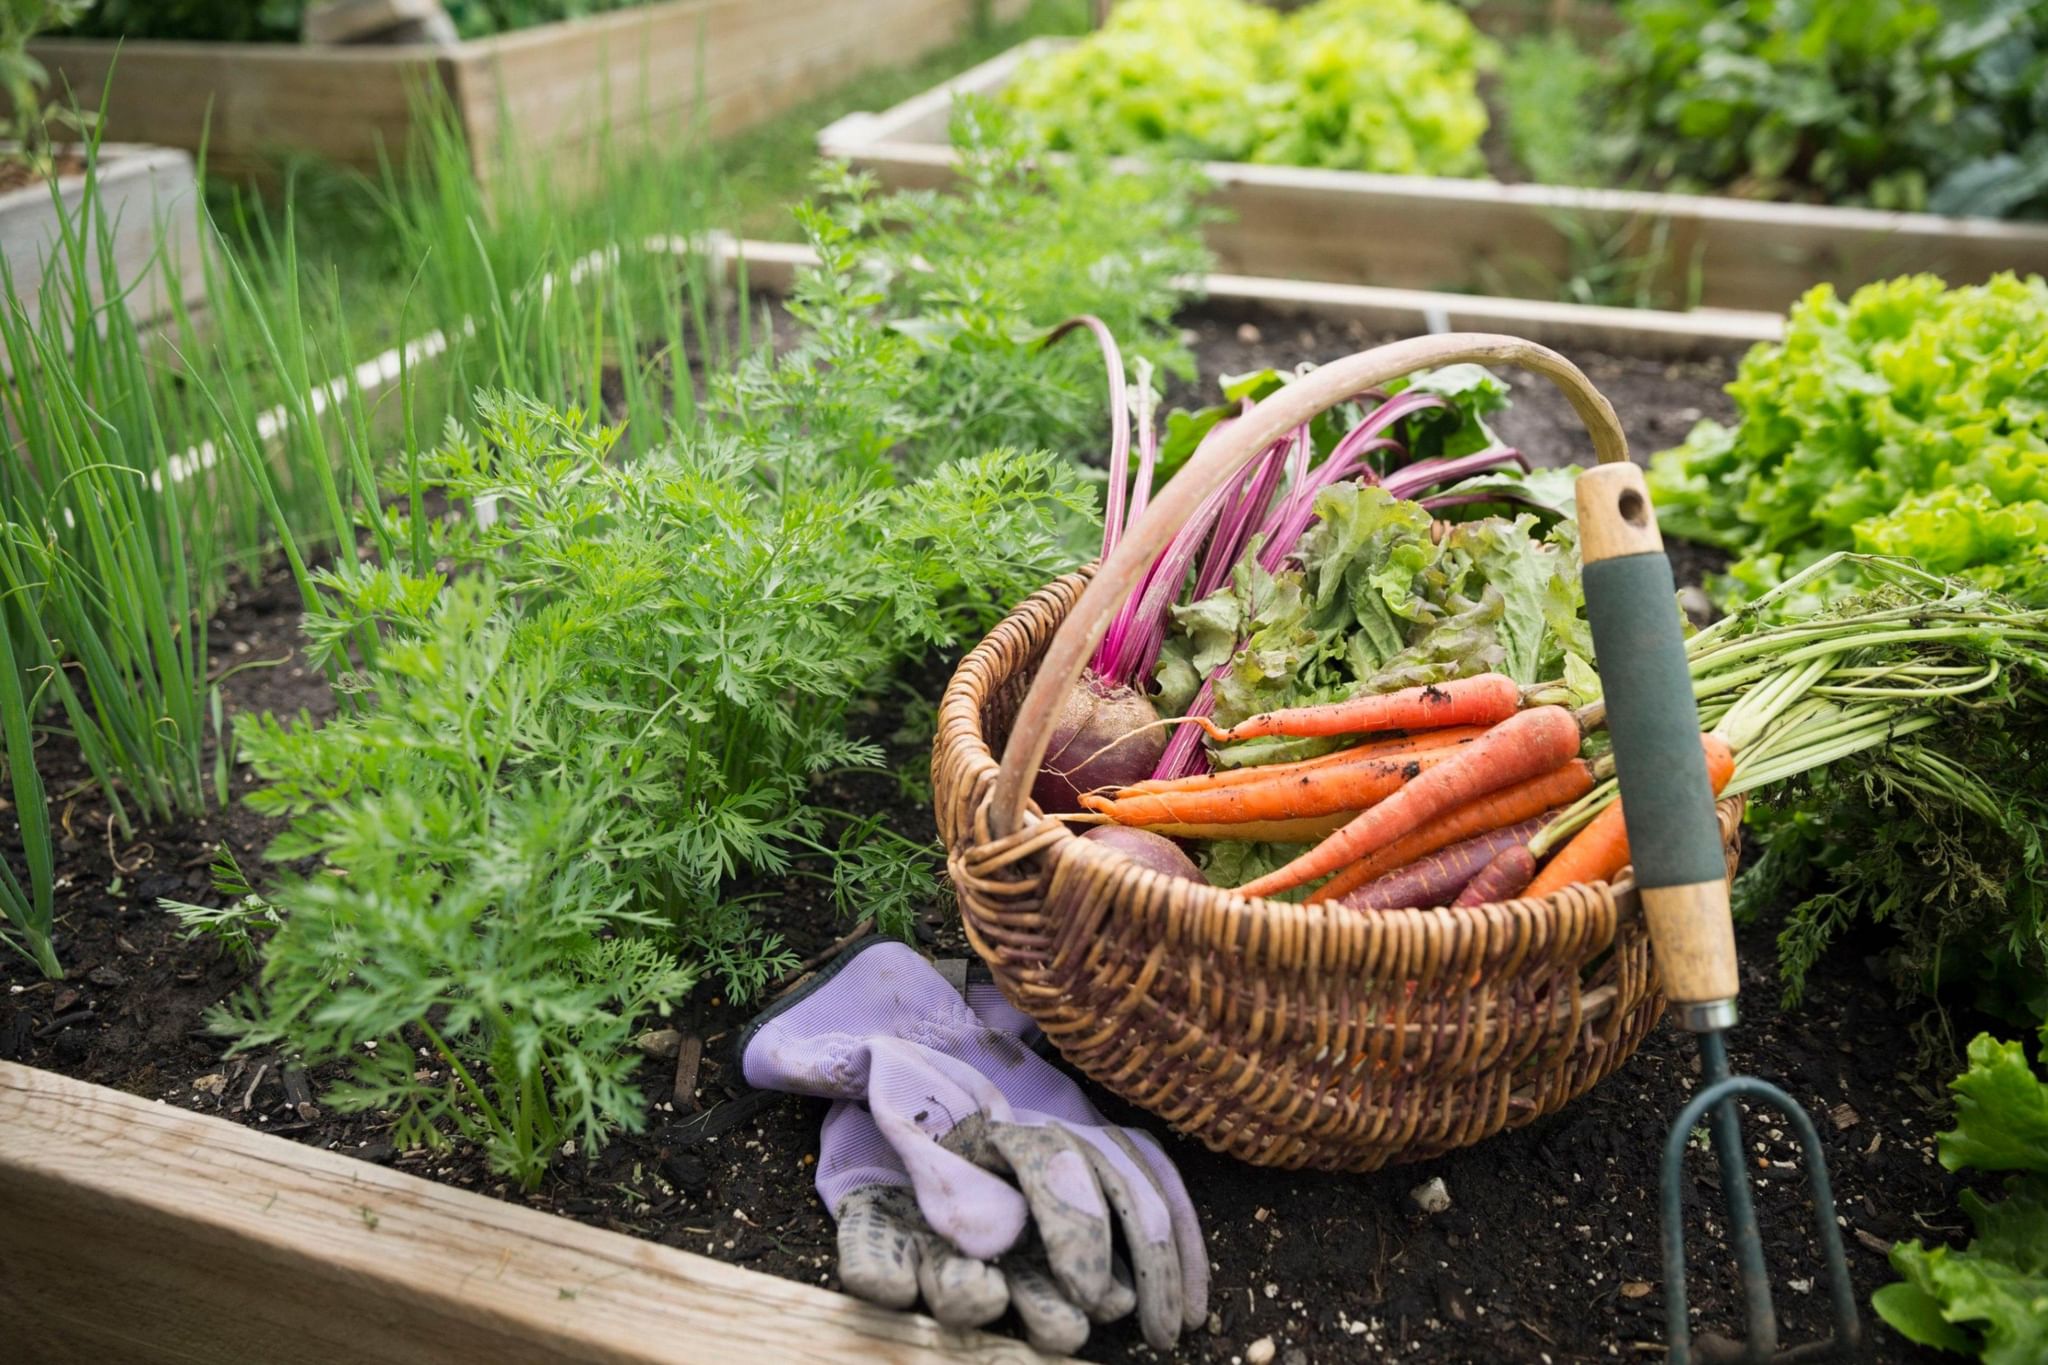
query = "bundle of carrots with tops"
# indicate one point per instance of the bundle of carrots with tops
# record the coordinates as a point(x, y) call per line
point(1463, 770)
point(1480, 789)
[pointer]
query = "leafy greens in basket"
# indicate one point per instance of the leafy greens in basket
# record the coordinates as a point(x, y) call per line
point(1376, 604)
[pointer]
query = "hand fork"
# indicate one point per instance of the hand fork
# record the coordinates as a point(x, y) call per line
point(1681, 876)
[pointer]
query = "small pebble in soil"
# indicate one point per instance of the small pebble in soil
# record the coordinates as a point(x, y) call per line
point(1430, 1197)
point(1260, 1352)
point(662, 1043)
point(107, 977)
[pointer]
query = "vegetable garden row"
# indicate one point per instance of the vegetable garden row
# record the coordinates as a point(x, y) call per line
point(442, 759)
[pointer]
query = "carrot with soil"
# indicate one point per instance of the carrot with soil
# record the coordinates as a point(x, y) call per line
point(1559, 787)
point(1379, 748)
point(1352, 785)
point(1485, 699)
point(1523, 746)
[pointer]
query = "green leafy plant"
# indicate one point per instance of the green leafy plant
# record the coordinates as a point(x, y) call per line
point(958, 291)
point(579, 734)
point(1909, 419)
point(1988, 1299)
point(1377, 85)
point(1900, 104)
point(22, 79)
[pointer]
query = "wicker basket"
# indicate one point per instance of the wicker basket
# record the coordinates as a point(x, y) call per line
point(1285, 1035)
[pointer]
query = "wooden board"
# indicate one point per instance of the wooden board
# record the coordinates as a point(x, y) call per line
point(1434, 233)
point(771, 266)
point(138, 1232)
point(639, 75)
point(246, 103)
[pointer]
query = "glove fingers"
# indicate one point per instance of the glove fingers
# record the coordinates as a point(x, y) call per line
point(878, 1246)
point(1187, 1228)
point(1067, 1207)
point(959, 1290)
point(1155, 1263)
point(1122, 1296)
point(974, 1210)
point(1051, 1320)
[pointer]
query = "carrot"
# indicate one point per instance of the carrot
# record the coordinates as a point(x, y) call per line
point(1305, 830)
point(1486, 699)
point(1525, 744)
point(1559, 787)
point(1379, 748)
point(1599, 852)
point(1501, 878)
point(1341, 786)
point(1436, 879)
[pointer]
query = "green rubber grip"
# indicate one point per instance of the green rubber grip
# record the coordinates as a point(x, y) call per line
point(1666, 799)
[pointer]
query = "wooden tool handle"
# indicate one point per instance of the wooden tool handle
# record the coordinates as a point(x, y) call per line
point(1667, 801)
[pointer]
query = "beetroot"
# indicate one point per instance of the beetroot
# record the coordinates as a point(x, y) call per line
point(1154, 851)
point(1107, 735)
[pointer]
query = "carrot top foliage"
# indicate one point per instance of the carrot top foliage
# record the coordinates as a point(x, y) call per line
point(585, 734)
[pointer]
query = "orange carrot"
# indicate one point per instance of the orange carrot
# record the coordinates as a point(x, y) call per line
point(1379, 748)
point(1559, 787)
point(1341, 786)
point(1305, 829)
point(1525, 744)
point(1599, 852)
point(1486, 699)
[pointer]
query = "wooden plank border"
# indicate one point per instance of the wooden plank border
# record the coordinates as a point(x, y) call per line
point(1452, 235)
point(135, 1231)
point(1646, 332)
point(640, 75)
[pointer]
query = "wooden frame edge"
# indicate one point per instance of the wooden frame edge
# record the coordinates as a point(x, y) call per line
point(138, 1231)
point(1433, 231)
point(1645, 332)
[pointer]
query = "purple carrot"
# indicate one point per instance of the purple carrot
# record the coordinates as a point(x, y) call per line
point(1437, 879)
point(1507, 875)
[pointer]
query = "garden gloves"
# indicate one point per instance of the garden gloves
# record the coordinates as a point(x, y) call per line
point(954, 1102)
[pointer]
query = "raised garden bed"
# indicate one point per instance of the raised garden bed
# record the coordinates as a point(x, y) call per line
point(631, 77)
point(134, 1223)
point(143, 1232)
point(149, 200)
point(1432, 233)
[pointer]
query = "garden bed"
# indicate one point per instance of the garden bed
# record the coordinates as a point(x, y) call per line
point(1458, 235)
point(623, 79)
point(1548, 1250)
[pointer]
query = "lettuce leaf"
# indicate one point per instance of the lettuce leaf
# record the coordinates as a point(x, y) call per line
point(1909, 419)
point(1378, 604)
point(1990, 1298)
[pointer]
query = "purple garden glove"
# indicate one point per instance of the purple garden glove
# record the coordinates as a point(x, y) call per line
point(960, 1102)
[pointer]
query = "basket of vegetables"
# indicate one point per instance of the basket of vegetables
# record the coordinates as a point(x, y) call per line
point(1371, 1020)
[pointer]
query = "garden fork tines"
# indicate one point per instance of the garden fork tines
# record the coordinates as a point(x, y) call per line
point(1681, 877)
point(1718, 1097)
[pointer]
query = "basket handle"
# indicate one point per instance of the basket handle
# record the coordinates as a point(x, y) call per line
point(1218, 461)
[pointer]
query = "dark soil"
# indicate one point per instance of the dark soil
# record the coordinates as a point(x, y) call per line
point(1547, 1253)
